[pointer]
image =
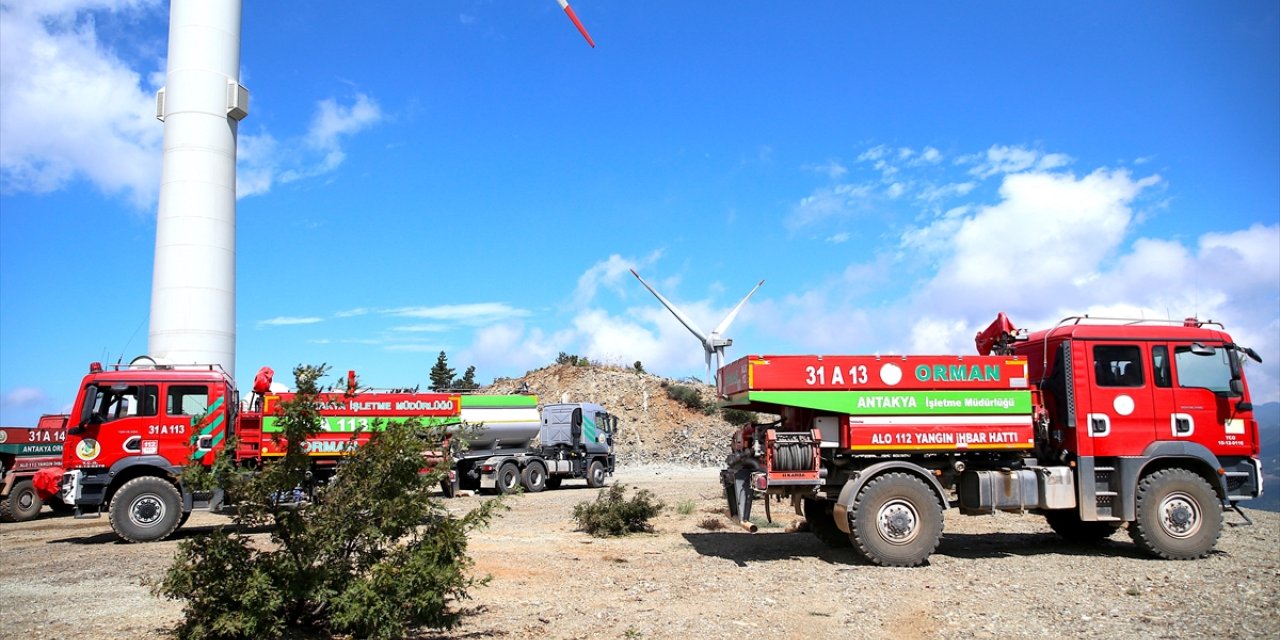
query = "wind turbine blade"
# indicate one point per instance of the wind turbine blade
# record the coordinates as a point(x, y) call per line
point(728, 320)
point(568, 10)
point(684, 320)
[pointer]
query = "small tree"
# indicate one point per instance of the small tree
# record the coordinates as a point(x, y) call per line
point(638, 367)
point(468, 380)
point(441, 374)
point(612, 515)
point(370, 555)
point(687, 396)
point(738, 416)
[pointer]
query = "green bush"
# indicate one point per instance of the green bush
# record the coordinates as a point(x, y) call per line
point(371, 554)
point(612, 515)
point(738, 416)
point(687, 396)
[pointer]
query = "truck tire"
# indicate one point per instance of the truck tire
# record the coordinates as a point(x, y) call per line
point(534, 477)
point(449, 488)
point(896, 521)
point(146, 509)
point(554, 482)
point(22, 503)
point(508, 478)
point(1179, 515)
point(595, 474)
point(1068, 525)
point(823, 523)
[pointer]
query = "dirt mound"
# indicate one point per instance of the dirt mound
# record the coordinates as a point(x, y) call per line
point(655, 428)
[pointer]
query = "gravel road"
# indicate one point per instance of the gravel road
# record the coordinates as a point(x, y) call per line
point(993, 576)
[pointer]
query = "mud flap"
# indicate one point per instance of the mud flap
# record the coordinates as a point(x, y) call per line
point(737, 490)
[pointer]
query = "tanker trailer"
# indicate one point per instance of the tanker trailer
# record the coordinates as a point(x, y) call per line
point(509, 443)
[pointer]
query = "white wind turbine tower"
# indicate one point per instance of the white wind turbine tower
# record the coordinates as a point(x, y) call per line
point(713, 343)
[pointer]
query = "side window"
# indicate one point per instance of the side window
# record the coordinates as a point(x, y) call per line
point(1212, 372)
point(187, 400)
point(1118, 365)
point(1160, 366)
point(124, 401)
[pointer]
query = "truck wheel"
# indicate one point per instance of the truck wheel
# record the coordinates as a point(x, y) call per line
point(822, 523)
point(146, 509)
point(508, 478)
point(553, 483)
point(21, 504)
point(896, 521)
point(534, 477)
point(595, 474)
point(1179, 515)
point(1067, 524)
point(448, 488)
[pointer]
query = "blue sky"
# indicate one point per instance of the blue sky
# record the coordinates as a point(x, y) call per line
point(470, 176)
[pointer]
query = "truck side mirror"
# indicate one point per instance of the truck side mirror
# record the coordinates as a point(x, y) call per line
point(86, 411)
point(1201, 350)
point(575, 424)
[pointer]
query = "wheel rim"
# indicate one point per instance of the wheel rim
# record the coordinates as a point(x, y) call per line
point(1180, 515)
point(898, 522)
point(509, 480)
point(147, 510)
point(535, 477)
point(26, 499)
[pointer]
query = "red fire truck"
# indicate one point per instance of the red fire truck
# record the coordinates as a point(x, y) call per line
point(135, 428)
point(23, 452)
point(1094, 423)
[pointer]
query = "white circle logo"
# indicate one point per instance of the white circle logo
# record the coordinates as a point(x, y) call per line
point(890, 374)
point(4, 435)
point(1123, 405)
point(88, 449)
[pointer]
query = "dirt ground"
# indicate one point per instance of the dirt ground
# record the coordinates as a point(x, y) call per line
point(993, 576)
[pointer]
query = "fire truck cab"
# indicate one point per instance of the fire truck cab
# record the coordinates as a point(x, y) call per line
point(132, 430)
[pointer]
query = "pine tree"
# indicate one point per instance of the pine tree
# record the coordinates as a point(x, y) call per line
point(441, 374)
point(468, 381)
point(368, 554)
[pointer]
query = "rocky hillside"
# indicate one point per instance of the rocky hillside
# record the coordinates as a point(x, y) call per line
point(655, 428)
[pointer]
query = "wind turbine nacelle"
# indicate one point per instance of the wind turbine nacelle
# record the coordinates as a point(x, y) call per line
point(716, 343)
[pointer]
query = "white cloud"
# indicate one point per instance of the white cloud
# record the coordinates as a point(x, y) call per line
point(514, 348)
point(612, 272)
point(421, 328)
point(70, 108)
point(837, 202)
point(284, 321)
point(931, 335)
point(1065, 228)
point(353, 313)
point(933, 193)
point(480, 313)
point(839, 238)
point(873, 154)
point(831, 168)
point(25, 397)
point(334, 121)
point(1006, 159)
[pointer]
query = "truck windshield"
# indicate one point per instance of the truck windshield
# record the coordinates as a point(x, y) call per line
point(1212, 372)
